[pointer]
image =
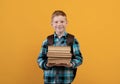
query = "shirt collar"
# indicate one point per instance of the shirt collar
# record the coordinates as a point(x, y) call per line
point(64, 35)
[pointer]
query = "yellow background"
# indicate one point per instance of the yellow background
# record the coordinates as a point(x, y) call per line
point(24, 24)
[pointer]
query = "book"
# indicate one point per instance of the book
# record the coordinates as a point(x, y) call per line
point(62, 48)
point(59, 54)
point(57, 61)
point(56, 58)
point(59, 51)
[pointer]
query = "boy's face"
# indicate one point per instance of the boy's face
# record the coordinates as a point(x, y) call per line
point(59, 23)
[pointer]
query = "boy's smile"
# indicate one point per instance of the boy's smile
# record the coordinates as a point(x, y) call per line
point(59, 24)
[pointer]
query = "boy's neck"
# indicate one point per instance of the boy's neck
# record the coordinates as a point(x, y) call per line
point(59, 34)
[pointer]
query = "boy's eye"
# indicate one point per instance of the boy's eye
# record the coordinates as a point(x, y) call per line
point(56, 21)
point(62, 21)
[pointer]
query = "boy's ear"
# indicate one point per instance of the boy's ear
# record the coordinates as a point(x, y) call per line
point(66, 22)
point(51, 24)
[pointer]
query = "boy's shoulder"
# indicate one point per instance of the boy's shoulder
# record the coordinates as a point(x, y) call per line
point(51, 36)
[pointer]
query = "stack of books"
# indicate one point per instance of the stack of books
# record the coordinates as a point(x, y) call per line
point(59, 54)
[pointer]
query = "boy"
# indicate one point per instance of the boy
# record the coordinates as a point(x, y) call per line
point(59, 73)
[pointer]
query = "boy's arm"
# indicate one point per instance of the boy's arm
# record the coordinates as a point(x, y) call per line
point(77, 59)
point(42, 58)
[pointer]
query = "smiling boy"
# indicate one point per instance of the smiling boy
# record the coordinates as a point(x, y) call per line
point(59, 73)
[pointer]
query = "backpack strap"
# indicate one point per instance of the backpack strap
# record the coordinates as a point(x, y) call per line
point(50, 39)
point(70, 39)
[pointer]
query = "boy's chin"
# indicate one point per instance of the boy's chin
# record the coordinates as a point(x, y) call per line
point(60, 31)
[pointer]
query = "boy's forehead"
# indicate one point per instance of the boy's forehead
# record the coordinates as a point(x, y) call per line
point(60, 17)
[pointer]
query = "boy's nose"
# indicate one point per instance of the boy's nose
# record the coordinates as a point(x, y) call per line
point(59, 23)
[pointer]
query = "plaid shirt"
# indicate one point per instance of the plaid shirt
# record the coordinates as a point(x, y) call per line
point(59, 75)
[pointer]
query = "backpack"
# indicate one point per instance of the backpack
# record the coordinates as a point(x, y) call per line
point(69, 41)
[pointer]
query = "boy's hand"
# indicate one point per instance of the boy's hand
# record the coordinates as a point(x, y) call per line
point(68, 65)
point(64, 64)
point(55, 64)
point(61, 64)
point(50, 64)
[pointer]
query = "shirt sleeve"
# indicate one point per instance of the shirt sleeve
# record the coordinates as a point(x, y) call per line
point(42, 58)
point(77, 59)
